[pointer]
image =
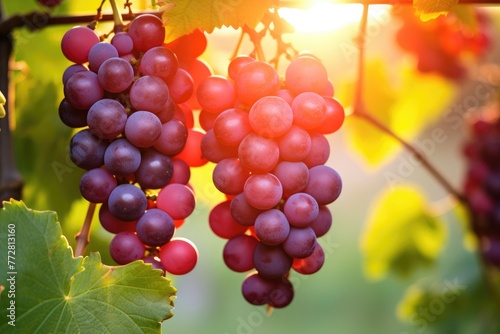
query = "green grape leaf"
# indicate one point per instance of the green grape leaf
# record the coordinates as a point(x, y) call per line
point(404, 106)
point(430, 9)
point(184, 16)
point(50, 291)
point(401, 234)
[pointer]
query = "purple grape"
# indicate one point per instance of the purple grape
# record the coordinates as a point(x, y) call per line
point(154, 262)
point(301, 209)
point(82, 90)
point(149, 93)
point(271, 261)
point(325, 184)
point(143, 129)
point(99, 53)
point(107, 118)
point(72, 117)
point(160, 62)
point(122, 158)
point(173, 137)
point(242, 212)
point(127, 202)
point(272, 227)
point(125, 247)
point(96, 185)
point(300, 242)
point(257, 290)
point(155, 228)
point(229, 176)
point(72, 69)
point(155, 171)
point(86, 150)
point(115, 75)
point(238, 253)
point(321, 225)
point(293, 176)
point(112, 224)
point(123, 43)
point(282, 294)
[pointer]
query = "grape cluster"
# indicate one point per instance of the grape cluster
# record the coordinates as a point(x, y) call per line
point(267, 138)
point(482, 182)
point(441, 45)
point(127, 96)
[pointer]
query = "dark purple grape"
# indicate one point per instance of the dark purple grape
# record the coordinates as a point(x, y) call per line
point(96, 185)
point(271, 261)
point(122, 158)
point(242, 212)
point(127, 202)
point(282, 294)
point(238, 253)
point(300, 242)
point(149, 93)
point(82, 90)
point(155, 228)
point(155, 171)
point(172, 138)
point(123, 43)
point(257, 290)
point(107, 118)
point(72, 69)
point(160, 62)
point(325, 184)
point(301, 209)
point(125, 247)
point(156, 264)
point(321, 225)
point(74, 118)
point(86, 150)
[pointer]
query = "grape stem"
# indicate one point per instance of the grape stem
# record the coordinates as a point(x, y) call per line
point(360, 111)
point(117, 17)
point(83, 237)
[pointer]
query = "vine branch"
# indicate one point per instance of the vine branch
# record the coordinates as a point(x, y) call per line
point(361, 112)
point(83, 236)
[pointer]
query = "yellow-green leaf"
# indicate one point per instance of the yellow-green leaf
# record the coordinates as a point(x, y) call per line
point(184, 16)
point(467, 15)
point(430, 9)
point(402, 234)
point(406, 106)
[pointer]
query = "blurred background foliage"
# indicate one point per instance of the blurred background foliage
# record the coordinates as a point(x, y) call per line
point(398, 260)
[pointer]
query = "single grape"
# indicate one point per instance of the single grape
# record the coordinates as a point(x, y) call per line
point(159, 62)
point(72, 117)
point(181, 86)
point(172, 138)
point(306, 74)
point(82, 90)
point(96, 185)
point(229, 176)
point(86, 150)
point(115, 75)
point(127, 202)
point(311, 264)
point(146, 31)
point(123, 43)
point(77, 42)
point(272, 227)
point(112, 224)
point(270, 116)
point(242, 212)
point(335, 116)
point(72, 69)
point(182, 172)
point(256, 80)
point(236, 64)
point(300, 242)
point(149, 93)
point(215, 94)
point(238, 253)
point(222, 223)
point(122, 158)
point(257, 290)
point(107, 118)
point(309, 110)
point(320, 150)
point(271, 261)
point(321, 225)
point(258, 154)
point(293, 176)
point(125, 247)
point(155, 171)
point(177, 200)
point(214, 151)
point(207, 119)
point(301, 209)
point(231, 126)
point(155, 228)
point(325, 184)
point(295, 145)
point(143, 129)
point(282, 294)
point(263, 191)
point(178, 256)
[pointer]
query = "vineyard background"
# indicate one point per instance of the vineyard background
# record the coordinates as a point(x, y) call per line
point(340, 298)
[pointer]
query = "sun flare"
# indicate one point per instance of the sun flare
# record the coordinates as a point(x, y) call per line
point(323, 16)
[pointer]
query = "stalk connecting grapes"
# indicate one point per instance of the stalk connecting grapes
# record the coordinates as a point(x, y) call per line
point(128, 98)
point(482, 183)
point(267, 138)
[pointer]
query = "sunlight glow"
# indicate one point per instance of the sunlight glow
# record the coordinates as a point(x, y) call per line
point(323, 16)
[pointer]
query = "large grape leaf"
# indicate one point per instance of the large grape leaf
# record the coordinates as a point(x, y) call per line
point(406, 105)
point(430, 9)
point(53, 292)
point(184, 16)
point(401, 234)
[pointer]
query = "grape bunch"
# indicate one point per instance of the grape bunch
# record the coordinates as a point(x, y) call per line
point(441, 45)
point(482, 181)
point(127, 97)
point(267, 138)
